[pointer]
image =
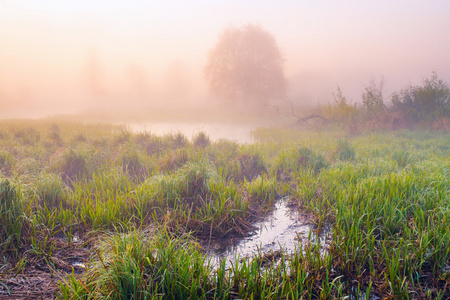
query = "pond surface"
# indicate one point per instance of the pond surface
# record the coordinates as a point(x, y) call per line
point(238, 133)
point(283, 228)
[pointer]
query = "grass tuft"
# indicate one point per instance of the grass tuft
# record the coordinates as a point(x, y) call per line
point(201, 139)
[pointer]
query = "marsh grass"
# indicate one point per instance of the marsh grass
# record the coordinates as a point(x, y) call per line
point(387, 210)
point(174, 160)
point(298, 160)
point(144, 265)
point(401, 157)
point(12, 219)
point(7, 162)
point(134, 162)
point(247, 167)
point(27, 136)
point(344, 151)
point(201, 140)
point(73, 165)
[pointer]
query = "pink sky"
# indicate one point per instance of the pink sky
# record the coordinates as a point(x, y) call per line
point(47, 47)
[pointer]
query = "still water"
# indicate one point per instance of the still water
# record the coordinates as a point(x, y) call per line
point(283, 228)
point(238, 133)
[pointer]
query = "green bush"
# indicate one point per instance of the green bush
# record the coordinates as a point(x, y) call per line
point(341, 110)
point(373, 103)
point(425, 103)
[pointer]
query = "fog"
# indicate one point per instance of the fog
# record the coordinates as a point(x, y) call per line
point(143, 57)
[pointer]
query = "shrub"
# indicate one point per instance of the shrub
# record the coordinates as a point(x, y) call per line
point(372, 99)
point(341, 110)
point(424, 103)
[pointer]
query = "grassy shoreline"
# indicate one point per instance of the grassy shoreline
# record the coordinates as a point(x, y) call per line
point(135, 207)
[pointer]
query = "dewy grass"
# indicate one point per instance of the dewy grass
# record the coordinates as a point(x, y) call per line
point(73, 165)
point(50, 191)
point(12, 219)
point(387, 210)
point(133, 162)
point(142, 265)
point(344, 151)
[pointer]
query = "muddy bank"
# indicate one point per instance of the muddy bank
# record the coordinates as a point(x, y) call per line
point(39, 276)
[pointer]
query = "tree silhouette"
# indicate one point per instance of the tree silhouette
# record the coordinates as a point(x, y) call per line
point(246, 65)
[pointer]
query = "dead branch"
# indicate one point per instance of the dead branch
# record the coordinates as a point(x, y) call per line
point(304, 120)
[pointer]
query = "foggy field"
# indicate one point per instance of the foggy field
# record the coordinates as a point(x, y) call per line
point(97, 211)
point(224, 150)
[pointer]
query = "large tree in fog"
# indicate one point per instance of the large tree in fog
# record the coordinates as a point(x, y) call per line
point(246, 65)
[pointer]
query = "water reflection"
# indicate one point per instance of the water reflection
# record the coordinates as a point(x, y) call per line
point(283, 228)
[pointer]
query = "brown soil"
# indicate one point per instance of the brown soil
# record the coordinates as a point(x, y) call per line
point(40, 277)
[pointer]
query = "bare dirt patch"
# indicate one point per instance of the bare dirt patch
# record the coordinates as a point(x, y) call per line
point(39, 277)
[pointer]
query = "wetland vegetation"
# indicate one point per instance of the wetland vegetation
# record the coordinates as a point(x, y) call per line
point(93, 211)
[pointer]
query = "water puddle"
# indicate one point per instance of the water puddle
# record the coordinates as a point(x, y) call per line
point(284, 228)
point(362, 296)
point(78, 264)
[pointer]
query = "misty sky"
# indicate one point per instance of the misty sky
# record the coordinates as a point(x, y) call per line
point(54, 52)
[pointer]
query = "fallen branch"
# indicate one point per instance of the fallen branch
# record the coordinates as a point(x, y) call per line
point(303, 121)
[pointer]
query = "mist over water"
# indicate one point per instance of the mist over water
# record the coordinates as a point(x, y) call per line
point(238, 133)
point(83, 57)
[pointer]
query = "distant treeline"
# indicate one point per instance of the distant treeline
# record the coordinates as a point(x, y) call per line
point(426, 105)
